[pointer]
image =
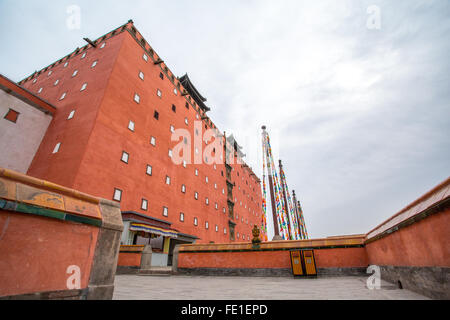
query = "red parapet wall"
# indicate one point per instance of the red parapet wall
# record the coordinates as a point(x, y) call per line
point(325, 258)
point(36, 253)
point(422, 244)
point(55, 242)
point(337, 252)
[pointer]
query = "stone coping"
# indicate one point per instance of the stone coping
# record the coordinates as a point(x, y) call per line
point(132, 248)
point(22, 193)
point(439, 194)
point(335, 242)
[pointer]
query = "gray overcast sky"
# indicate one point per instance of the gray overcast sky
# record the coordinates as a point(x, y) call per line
point(359, 116)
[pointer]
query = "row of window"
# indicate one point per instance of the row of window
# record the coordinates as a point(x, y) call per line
point(67, 63)
point(144, 206)
point(75, 72)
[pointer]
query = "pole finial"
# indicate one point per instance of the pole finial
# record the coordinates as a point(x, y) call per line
point(263, 127)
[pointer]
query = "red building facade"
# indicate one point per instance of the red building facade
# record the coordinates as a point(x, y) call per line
point(117, 106)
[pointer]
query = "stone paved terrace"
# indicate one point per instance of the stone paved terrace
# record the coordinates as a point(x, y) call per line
point(178, 287)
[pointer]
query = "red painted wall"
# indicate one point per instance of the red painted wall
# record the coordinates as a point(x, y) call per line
point(35, 253)
point(325, 258)
point(129, 259)
point(424, 243)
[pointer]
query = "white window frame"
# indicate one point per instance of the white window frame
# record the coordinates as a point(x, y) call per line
point(125, 157)
point(167, 180)
point(147, 170)
point(181, 216)
point(71, 114)
point(144, 204)
point(103, 45)
point(145, 57)
point(206, 225)
point(94, 64)
point(56, 82)
point(183, 188)
point(84, 86)
point(141, 75)
point(56, 148)
point(117, 195)
point(63, 96)
point(195, 221)
point(131, 126)
point(137, 98)
point(165, 211)
point(75, 73)
point(153, 141)
point(159, 93)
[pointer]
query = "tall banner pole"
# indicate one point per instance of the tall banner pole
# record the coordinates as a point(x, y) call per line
point(272, 197)
point(283, 182)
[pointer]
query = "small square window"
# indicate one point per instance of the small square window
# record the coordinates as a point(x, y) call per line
point(206, 225)
point(153, 141)
point(50, 72)
point(125, 157)
point(206, 179)
point(103, 45)
point(174, 108)
point(217, 228)
point(159, 93)
point(145, 57)
point(83, 56)
point(175, 91)
point(149, 170)
point(225, 230)
point(206, 200)
point(183, 188)
point(63, 96)
point(167, 180)
point(216, 206)
point(94, 63)
point(74, 73)
point(144, 204)
point(131, 125)
point(137, 98)
point(215, 185)
point(170, 153)
point(165, 211)
point(40, 90)
point(141, 75)
point(172, 128)
point(156, 115)
point(117, 194)
point(56, 149)
point(181, 216)
point(66, 64)
point(161, 76)
point(71, 114)
point(187, 105)
point(83, 87)
point(12, 115)
point(196, 172)
point(184, 163)
point(186, 121)
point(34, 80)
point(196, 195)
point(224, 210)
point(56, 82)
point(195, 222)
